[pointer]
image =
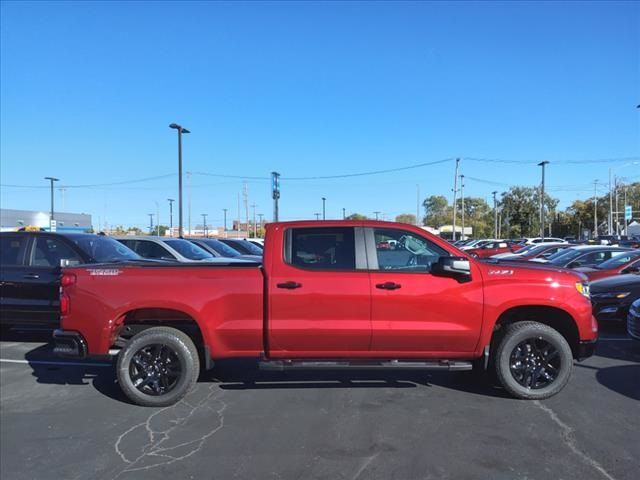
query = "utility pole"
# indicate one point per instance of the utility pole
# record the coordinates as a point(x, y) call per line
point(376, 214)
point(51, 218)
point(157, 218)
point(317, 216)
point(615, 186)
point(260, 215)
point(245, 197)
point(495, 215)
point(204, 227)
point(275, 194)
point(225, 221)
point(455, 194)
point(180, 130)
point(239, 218)
point(171, 200)
point(189, 185)
point(542, 164)
point(150, 223)
point(462, 237)
point(610, 223)
point(324, 212)
point(344, 213)
point(595, 209)
point(255, 227)
point(417, 205)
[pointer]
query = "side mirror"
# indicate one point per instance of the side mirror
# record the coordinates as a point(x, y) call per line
point(452, 267)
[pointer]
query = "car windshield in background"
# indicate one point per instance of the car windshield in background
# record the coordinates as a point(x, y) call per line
point(526, 249)
point(248, 247)
point(567, 253)
point(221, 248)
point(618, 260)
point(540, 248)
point(188, 249)
point(104, 249)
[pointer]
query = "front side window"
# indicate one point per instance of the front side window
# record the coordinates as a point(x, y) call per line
point(399, 250)
point(323, 248)
point(49, 252)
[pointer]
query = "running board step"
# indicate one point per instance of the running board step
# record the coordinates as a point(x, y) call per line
point(282, 365)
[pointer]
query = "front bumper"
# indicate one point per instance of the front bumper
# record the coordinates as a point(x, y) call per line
point(586, 349)
point(69, 344)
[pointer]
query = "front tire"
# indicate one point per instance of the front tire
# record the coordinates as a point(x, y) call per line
point(158, 367)
point(533, 361)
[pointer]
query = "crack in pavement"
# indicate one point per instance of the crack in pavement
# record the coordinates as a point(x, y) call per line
point(569, 439)
point(167, 434)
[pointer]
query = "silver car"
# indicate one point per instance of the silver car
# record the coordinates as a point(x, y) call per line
point(171, 249)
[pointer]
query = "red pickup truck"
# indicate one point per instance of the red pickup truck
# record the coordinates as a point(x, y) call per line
point(326, 296)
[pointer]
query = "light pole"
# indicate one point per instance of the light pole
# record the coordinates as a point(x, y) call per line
point(376, 214)
point(595, 209)
point(51, 218)
point(150, 223)
point(170, 200)
point(495, 215)
point(255, 227)
point(542, 164)
point(317, 216)
point(462, 237)
point(344, 213)
point(180, 130)
point(324, 201)
point(204, 227)
point(275, 193)
point(261, 215)
point(225, 220)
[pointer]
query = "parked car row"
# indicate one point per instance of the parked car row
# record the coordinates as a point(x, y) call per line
point(31, 263)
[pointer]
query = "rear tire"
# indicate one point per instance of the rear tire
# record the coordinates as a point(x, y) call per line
point(533, 361)
point(158, 366)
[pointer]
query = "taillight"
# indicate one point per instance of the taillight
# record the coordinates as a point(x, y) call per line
point(67, 279)
point(65, 304)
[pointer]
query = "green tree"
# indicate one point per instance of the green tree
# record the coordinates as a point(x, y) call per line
point(406, 218)
point(521, 211)
point(437, 211)
point(357, 216)
point(477, 214)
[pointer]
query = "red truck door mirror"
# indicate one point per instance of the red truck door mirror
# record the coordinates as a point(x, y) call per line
point(457, 267)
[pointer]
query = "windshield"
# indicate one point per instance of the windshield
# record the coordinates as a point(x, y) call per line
point(568, 253)
point(618, 260)
point(246, 247)
point(188, 249)
point(105, 249)
point(221, 248)
point(526, 249)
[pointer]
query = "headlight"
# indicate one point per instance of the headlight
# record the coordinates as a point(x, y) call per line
point(583, 289)
point(618, 295)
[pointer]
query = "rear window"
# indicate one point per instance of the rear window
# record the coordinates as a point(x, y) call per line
point(323, 248)
point(10, 249)
point(103, 249)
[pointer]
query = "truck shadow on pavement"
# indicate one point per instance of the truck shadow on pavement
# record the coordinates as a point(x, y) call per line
point(244, 374)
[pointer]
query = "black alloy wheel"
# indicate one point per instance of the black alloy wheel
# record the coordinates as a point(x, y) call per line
point(155, 369)
point(535, 363)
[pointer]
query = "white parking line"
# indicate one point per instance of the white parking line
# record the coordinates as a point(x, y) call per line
point(44, 362)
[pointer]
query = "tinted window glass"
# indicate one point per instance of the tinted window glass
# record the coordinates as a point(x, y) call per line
point(323, 248)
point(10, 248)
point(400, 250)
point(104, 249)
point(189, 250)
point(148, 249)
point(244, 246)
point(49, 251)
point(221, 248)
point(619, 260)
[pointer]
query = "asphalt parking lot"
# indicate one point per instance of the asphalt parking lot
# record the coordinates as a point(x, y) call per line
point(64, 419)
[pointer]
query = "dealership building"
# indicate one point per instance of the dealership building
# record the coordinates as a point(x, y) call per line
point(12, 220)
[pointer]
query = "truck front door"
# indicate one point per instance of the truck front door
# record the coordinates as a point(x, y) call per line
point(319, 294)
point(414, 312)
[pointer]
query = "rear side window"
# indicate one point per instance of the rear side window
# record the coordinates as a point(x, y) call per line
point(49, 252)
point(152, 250)
point(11, 247)
point(323, 248)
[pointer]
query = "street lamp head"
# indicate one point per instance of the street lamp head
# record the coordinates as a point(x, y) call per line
point(53, 179)
point(180, 128)
point(170, 200)
point(543, 163)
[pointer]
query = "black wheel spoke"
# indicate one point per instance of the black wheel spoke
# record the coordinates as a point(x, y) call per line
point(535, 363)
point(155, 369)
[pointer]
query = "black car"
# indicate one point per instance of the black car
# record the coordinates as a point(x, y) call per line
point(611, 297)
point(220, 249)
point(30, 271)
point(582, 256)
point(243, 246)
point(633, 320)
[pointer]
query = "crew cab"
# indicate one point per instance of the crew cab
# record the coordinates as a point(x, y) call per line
point(327, 297)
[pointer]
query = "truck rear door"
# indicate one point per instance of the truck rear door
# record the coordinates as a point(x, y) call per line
point(319, 294)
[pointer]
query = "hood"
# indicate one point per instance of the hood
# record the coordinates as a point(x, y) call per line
point(616, 282)
point(528, 266)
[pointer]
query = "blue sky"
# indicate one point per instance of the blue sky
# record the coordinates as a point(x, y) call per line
point(312, 89)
